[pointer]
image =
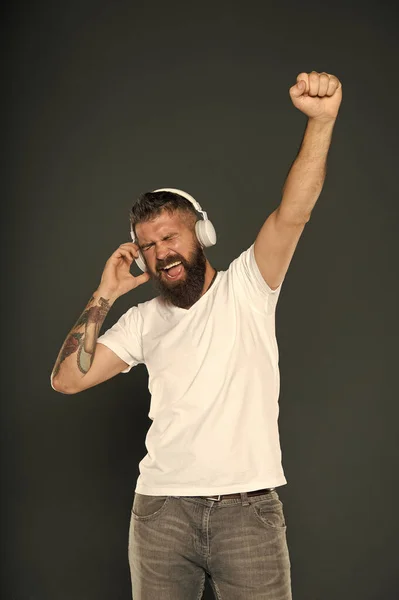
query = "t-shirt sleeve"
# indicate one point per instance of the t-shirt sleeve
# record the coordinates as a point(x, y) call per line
point(124, 338)
point(251, 284)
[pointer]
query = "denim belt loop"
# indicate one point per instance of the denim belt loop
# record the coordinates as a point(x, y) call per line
point(244, 499)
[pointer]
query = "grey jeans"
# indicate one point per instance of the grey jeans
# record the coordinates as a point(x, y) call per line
point(239, 544)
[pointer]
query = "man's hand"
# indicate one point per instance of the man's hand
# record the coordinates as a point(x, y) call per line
point(317, 95)
point(116, 279)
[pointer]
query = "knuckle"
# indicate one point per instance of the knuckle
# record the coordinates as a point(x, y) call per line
point(302, 76)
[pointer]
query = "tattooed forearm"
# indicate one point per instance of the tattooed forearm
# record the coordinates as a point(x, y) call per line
point(70, 346)
point(83, 336)
point(94, 320)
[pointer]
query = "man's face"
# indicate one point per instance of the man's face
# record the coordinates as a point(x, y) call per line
point(174, 257)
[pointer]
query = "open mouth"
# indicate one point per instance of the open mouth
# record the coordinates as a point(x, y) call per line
point(174, 270)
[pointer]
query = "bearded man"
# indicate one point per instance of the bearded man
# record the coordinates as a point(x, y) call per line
point(205, 503)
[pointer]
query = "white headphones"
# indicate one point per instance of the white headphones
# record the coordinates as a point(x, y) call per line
point(204, 229)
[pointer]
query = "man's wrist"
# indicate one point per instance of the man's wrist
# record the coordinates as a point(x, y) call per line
point(108, 295)
point(321, 122)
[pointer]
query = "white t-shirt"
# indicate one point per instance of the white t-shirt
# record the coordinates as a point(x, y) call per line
point(214, 384)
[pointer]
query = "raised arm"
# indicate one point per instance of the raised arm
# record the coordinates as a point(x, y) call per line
point(81, 362)
point(318, 95)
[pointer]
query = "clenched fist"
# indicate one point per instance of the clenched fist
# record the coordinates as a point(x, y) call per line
point(317, 95)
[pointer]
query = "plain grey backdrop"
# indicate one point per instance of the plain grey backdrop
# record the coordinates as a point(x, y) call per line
point(105, 100)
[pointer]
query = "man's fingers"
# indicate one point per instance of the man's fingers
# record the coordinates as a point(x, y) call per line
point(314, 84)
point(303, 77)
point(130, 244)
point(125, 253)
point(333, 85)
point(324, 83)
point(131, 247)
point(301, 86)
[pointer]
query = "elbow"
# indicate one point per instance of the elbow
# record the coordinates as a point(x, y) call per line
point(293, 218)
point(63, 388)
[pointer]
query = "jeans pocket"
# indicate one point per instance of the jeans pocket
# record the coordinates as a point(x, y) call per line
point(148, 507)
point(269, 512)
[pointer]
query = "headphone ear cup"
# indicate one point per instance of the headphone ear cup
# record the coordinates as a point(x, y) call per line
point(140, 262)
point(206, 233)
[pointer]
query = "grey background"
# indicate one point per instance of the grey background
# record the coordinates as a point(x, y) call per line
point(105, 100)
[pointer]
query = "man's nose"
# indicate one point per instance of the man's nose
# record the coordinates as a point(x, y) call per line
point(162, 250)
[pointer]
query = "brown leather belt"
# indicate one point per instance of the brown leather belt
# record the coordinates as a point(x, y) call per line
point(225, 496)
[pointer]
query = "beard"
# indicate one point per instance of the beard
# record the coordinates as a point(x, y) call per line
point(183, 293)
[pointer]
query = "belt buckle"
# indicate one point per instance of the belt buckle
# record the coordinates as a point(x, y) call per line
point(216, 499)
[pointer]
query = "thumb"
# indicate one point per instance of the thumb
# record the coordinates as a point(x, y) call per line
point(143, 278)
point(298, 89)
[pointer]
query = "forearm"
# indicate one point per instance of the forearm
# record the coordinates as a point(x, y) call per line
point(77, 353)
point(306, 177)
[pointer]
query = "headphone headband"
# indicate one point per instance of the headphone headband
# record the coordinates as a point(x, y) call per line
point(188, 197)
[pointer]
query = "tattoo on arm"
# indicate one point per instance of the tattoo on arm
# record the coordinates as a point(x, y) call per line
point(84, 342)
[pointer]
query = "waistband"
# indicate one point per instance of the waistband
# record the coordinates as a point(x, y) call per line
point(238, 495)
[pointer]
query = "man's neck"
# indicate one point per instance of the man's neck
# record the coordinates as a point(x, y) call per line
point(210, 274)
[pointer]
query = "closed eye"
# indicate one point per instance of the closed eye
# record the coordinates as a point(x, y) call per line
point(164, 239)
point(147, 246)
